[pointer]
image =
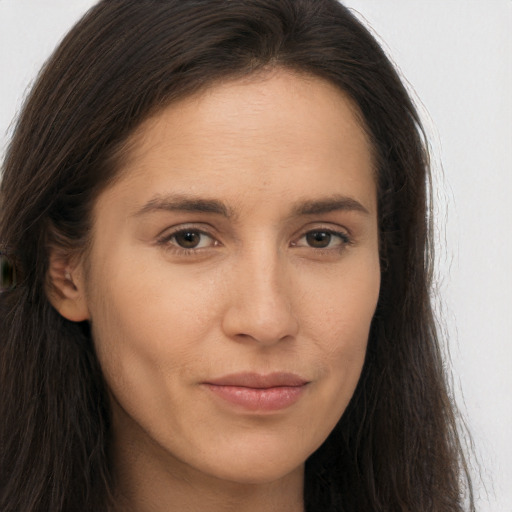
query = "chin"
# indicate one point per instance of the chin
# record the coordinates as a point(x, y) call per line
point(257, 464)
point(260, 473)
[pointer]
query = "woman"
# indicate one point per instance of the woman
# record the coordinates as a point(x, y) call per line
point(222, 271)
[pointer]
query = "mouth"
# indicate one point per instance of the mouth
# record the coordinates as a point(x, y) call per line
point(256, 392)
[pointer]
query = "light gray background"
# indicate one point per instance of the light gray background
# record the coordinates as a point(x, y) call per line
point(457, 57)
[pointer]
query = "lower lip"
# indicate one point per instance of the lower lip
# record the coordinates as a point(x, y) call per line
point(256, 399)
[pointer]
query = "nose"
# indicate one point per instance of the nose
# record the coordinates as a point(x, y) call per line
point(261, 297)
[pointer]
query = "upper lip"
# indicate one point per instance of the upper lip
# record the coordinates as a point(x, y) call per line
point(259, 381)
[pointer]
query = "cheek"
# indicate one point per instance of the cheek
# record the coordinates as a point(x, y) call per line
point(152, 327)
point(342, 303)
point(339, 321)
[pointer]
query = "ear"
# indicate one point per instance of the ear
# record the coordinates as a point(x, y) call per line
point(65, 286)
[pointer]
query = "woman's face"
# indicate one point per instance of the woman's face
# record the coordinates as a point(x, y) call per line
point(233, 276)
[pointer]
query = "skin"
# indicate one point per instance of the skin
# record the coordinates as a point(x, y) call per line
point(286, 278)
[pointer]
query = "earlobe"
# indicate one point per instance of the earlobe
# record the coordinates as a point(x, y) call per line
point(65, 288)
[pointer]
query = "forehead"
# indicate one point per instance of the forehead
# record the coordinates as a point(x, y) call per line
point(277, 130)
point(251, 104)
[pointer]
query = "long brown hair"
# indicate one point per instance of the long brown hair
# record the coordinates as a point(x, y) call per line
point(396, 447)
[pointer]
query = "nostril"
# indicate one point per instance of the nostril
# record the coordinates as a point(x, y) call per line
point(267, 323)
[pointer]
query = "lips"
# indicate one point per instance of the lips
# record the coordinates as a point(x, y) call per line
point(257, 392)
point(258, 381)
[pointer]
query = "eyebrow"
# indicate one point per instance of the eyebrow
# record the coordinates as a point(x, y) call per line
point(327, 205)
point(186, 203)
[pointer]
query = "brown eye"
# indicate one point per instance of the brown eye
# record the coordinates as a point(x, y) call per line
point(323, 239)
point(319, 239)
point(188, 239)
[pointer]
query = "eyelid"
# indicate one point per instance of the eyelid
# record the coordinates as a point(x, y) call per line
point(337, 231)
point(167, 235)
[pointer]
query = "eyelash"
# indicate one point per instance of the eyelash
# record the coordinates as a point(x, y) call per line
point(167, 241)
point(343, 238)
